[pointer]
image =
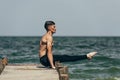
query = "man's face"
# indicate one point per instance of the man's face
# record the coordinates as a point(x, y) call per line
point(52, 28)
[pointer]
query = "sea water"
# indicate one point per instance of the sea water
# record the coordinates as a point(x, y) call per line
point(104, 66)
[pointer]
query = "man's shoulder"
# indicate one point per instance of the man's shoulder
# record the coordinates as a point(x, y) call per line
point(49, 38)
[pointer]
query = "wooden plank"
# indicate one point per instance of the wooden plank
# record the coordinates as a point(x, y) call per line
point(28, 72)
point(33, 72)
point(3, 63)
point(64, 77)
point(62, 71)
point(1, 67)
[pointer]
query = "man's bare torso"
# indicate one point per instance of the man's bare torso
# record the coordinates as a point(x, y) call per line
point(43, 44)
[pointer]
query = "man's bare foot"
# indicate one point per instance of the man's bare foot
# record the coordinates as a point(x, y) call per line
point(91, 54)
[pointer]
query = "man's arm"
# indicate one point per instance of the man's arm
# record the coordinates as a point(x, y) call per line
point(49, 50)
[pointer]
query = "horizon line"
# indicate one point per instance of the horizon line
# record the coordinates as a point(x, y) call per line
point(58, 36)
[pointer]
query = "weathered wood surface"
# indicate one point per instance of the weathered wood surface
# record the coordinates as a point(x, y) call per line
point(62, 71)
point(28, 72)
point(3, 63)
point(32, 72)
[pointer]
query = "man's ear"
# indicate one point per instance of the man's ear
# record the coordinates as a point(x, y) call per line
point(49, 27)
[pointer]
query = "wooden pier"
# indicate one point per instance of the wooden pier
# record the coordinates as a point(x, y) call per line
point(32, 72)
point(28, 72)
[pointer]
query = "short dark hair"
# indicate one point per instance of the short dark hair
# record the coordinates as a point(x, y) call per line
point(48, 23)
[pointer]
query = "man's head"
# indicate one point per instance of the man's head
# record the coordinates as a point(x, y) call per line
point(50, 26)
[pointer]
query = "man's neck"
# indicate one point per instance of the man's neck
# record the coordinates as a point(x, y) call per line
point(50, 33)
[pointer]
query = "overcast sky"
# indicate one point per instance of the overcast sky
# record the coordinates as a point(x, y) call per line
point(72, 17)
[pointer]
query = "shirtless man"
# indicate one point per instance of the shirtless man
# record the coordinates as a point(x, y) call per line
point(47, 42)
point(46, 56)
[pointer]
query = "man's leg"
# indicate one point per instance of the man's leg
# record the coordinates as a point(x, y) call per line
point(67, 58)
point(44, 61)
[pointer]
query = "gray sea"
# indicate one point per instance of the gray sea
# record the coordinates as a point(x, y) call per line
point(104, 66)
